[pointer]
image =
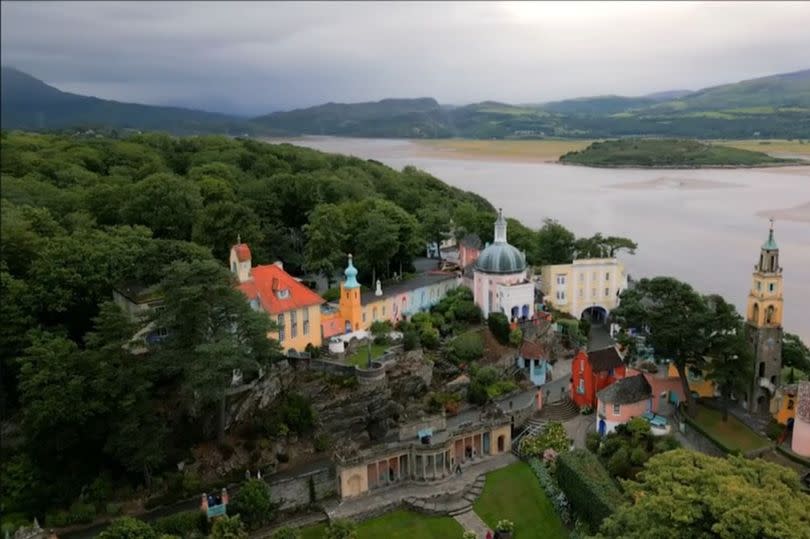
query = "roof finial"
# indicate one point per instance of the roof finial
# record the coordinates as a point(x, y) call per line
point(239, 239)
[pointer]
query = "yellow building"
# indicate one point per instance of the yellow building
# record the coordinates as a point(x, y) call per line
point(784, 403)
point(294, 308)
point(588, 286)
point(698, 383)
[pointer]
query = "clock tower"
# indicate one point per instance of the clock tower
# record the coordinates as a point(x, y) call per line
point(764, 326)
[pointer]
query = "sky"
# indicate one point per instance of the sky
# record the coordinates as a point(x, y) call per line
point(256, 57)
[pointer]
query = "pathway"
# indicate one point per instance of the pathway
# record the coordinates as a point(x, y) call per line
point(471, 521)
point(578, 427)
point(389, 497)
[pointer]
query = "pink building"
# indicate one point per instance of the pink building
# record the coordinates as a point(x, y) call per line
point(801, 425)
point(622, 401)
point(500, 278)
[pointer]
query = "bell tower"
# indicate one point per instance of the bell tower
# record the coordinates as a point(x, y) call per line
point(764, 325)
point(351, 309)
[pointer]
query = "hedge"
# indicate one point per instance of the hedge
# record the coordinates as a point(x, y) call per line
point(184, 524)
point(552, 490)
point(592, 493)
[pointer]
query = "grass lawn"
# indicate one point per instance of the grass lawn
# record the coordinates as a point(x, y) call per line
point(732, 433)
point(513, 493)
point(398, 525)
point(360, 358)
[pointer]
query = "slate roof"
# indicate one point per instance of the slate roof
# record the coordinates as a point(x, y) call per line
point(604, 359)
point(626, 391)
point(533, 350)
point(420, 281)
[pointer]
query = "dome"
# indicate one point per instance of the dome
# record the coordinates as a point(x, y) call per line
point(500, 257)
point(351, 275)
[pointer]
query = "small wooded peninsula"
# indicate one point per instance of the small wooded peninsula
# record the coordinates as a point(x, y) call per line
point(667, 153)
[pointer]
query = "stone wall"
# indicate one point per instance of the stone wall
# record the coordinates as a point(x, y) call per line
point(294, 492)
point(411, 430)
point(331, 367)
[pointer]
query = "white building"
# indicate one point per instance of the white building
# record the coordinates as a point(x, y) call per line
point(591, 286)
point(500, 278)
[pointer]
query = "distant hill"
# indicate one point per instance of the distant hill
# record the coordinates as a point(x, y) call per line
point(606, 104)
point(28, 103)
point(414, 118)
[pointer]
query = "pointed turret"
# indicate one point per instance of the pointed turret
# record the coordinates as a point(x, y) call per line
point(351, 275)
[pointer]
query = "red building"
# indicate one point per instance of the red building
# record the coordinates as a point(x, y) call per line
point(593, 371)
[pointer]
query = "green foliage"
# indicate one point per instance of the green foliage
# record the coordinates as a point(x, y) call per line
point(253, 504)
point(429, 337)
point(228, 527)
point(467, 347)
point(286, 533)
point(553, 437)
point(589, 488)
point(664, 153)
point(505, 526)
point(185, 524)
point(552, 490)
point(293, 413)
point(685, 494)
point(499, 326)
point(627, 448)
point(341, 529)
point(128, 528)
point(795, 353)
point(515, 337)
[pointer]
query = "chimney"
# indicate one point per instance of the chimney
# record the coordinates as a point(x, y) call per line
point(275, 283)
point(279, 263)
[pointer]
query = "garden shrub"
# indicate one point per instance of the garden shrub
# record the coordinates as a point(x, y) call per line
point(590, 490)
point(467, 347)
point(619, 463)
point(286, 533)
point(341, 528)
point(501, 387)
point(185, 524)
point(410, 340)
point(515, 337)
point(499, 326)
point(429, 337)
point(79, 513)
point(228, 528)
point(128, 528)
point(322, 442)
point(553, 436)
point(592, 441)
point(253, 504)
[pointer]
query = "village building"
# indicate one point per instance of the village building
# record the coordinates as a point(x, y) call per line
point(295, 309)
point(764, 327)
point(533, 356)
point(500, 278)
point(593, 371)
point(589, 287)
point(424, 452)
point(800, 444)
point(139, 302)
point(621, 401)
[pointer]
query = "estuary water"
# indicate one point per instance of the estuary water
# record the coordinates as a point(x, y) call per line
point(701, 226)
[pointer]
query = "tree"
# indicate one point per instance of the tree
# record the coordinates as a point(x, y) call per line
point(499, 326)
point(377, 242)
point(555, 243)
point(166, 203)
point(677, 318)
point(326, 240)
point(731, 358)
point(795, 353)
point(211, 332)
point(228, 527)
point(686, 494)
point(253, 504)
point(436, 225)
point(219, 224)
point(128, 528)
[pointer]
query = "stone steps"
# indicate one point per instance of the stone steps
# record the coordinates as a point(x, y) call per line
point(559, 411)
point(449, 503)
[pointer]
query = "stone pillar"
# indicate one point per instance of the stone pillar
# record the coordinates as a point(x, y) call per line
point(434, 466)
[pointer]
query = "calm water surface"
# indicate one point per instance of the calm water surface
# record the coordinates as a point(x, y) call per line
point(698, 225)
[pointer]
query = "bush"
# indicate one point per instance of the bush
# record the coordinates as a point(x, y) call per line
point(619, 463)
point(469, 534)
point(586, 410)
point(286, 533)
point(553, 437)
point(501, 387)
point(253, 504)
point(380, 330)
point(467, 347)
point(552, 490)
point(410, 340)
point(499, 326)
point(505, 526)
point(429, 337)
point(592, 441)
point(113, 509)
point(184, 524)
point(128, 528)
point(515, 337)
point(228, 528)
point(638, 456)
point(587, 485)
point(322, 442)
point(333, 294)
point(341, 528)
point(79, 513)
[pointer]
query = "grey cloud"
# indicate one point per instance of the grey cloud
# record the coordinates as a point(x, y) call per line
point(253, 57)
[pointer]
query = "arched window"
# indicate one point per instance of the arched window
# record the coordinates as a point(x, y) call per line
point(761, 369)
point(769, 314)
point(755, 313)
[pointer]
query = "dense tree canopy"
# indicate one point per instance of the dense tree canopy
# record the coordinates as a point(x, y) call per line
point(685, 494)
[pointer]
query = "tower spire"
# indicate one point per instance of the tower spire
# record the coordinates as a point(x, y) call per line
point(239, 239)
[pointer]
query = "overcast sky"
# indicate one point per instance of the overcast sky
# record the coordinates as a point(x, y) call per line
point(256, 57)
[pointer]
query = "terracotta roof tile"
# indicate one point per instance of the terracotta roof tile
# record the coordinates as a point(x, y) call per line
point(242, 252)
point(269, 284)
point(533, 350)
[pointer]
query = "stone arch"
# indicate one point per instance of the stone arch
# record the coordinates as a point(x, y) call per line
point(755, 312)
point(769, 314)
point(594, 313)
point(501, 443)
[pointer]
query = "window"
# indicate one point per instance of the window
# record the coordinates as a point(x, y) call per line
point(162, 332)
point(294, 324)
point(581, 293)
point(790, 404)
point(581, 277)
point(607, 292)
point(283, 294)
point(374, 313)
point(306, 321)
point(561, 279)
point(561, 295)
point(771, 287)
point(607, 276)
point(364, 317)
point(593, 292)
point(581, 386)
point(233, 267)
point(617, 409)
point(383, 311)
point(759, 285)
point(280, 323)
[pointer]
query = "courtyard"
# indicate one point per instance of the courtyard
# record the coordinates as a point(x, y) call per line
point(732, 433)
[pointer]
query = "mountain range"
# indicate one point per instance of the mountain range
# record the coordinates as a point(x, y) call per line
point(777, 106)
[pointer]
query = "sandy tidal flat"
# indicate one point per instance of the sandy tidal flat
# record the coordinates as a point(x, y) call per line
point(666, 182)
point(799, 214)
